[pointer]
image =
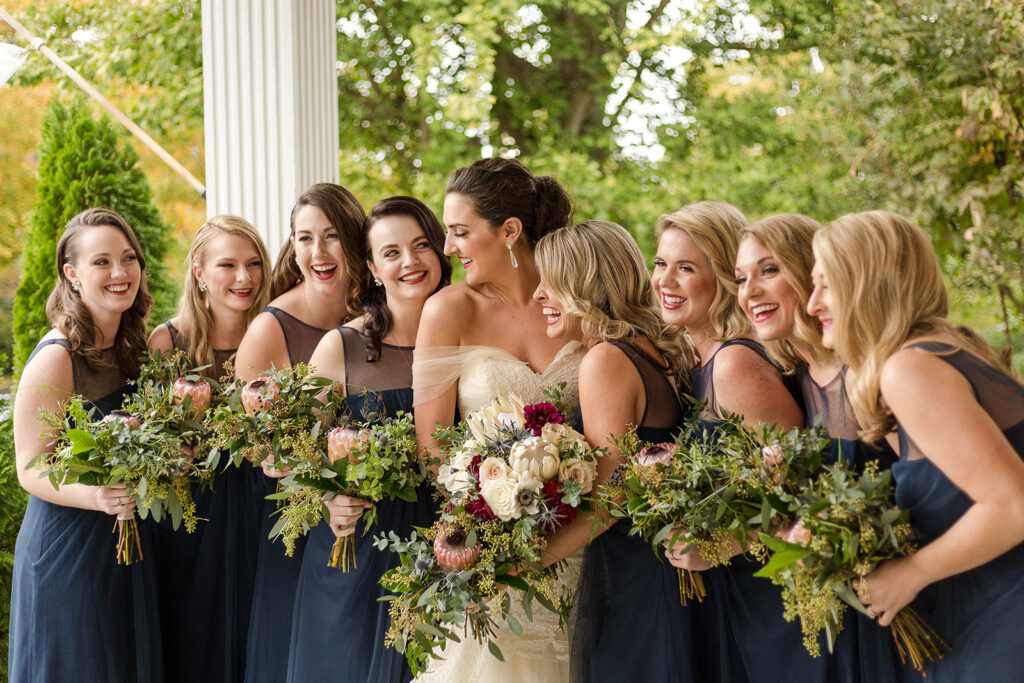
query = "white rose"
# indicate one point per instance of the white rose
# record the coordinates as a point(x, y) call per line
point(580, 471)
point(535, 456)
point(492, 469)
point(528, 494)
point(500, 495)
point(454, 474)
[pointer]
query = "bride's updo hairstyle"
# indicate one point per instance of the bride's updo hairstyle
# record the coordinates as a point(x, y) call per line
point(68, 313)
point(887, 289)
point(502, 188)
point(597, 272)
point(788, 238)
point(715, 227)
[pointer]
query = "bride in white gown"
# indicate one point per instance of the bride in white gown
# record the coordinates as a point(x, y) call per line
point(485, 337)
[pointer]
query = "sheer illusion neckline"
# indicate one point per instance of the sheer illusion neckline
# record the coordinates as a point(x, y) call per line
point(567, 348)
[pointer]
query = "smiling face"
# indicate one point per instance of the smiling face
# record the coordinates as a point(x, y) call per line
point(403, 259)
point(232, 271)
point(560, 323)
point(764, 293)
point(683, 281)
point(318, 250)
point(107, 270)
point(820, 306)
point(481, 249)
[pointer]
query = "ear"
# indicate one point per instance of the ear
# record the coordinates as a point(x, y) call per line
point(511, 229)
point(197, 273)
point(69, 272)
point(373, 270)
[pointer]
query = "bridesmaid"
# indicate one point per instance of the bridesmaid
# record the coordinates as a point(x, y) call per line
point(206, 578)
point(880, 296)
point(629, 623)
point(371, 360)
point(773, 271)
point(695, 283)
point(75, 613)
point(317, 284)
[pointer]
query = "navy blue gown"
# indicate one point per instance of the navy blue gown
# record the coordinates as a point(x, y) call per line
point(864, 651)
point(754, 642)
point(77, 615)
point(339, 625)
point(206, 578)
point(270, 624)
point(979, 611)
point(629, 623)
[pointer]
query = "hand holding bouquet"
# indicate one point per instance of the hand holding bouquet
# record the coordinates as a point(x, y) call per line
point(847, 525)
point(513, 474)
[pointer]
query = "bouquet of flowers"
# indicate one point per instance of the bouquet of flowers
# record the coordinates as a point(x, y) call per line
point(847, 525)
point(373, 462)
point(711, 488)
point(142, 453)
point(513, 474)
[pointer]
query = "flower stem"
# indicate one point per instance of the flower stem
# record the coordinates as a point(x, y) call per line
point(916, 639)
point(691, 586)
point(129, 548)
point(343, 554)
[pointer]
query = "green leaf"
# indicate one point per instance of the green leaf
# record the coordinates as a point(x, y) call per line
point(495, 650)
point(514, 624)
point(780, 560)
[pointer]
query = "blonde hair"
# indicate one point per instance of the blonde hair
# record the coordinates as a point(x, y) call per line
point(788, 237)
point(196, 319)
point(597, 271)
point(715, 227)
point(887, 289)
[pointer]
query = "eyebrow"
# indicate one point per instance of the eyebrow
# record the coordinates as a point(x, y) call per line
point(683, 260)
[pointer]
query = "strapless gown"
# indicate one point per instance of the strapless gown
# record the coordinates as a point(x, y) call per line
point(541, 653)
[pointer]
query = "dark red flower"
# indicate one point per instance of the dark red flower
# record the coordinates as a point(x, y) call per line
point(478, 507)
point(539, 414)
point(562, 513)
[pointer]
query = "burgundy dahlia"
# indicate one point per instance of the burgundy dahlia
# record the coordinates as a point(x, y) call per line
point(539, 414)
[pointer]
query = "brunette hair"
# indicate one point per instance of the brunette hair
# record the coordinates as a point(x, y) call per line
point(346, 215)
point(503, 188)
point(374, 301)
point(68, 313)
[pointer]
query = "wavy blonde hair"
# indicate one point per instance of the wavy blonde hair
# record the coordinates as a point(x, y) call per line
point(716, 227)
point(788, 238)
point(887, 289)
point(598, 273)
point(196, 319)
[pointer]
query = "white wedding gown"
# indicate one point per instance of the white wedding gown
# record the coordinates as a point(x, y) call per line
point(541, 653)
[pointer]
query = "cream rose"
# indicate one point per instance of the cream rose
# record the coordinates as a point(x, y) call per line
point(556, 433)
point(534, 456)
point(493, 469)
point(500, 496)
point(580, 471)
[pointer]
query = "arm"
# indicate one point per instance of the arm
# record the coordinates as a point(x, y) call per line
point(605, 414)
point(936, 405)
point(437, 329)
point(262, 347)
point(45, 384)
point(748, 385)
point(160, 340)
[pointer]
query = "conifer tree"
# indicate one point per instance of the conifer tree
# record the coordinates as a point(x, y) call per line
point(83, 162)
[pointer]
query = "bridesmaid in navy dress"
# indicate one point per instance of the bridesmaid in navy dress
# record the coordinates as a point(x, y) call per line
point(75, 613)
point(773, 271)
point(959, 413)
point(317, 284)
point(629, 623)
point(206, 578)
point(338, 612)
point(696, 286)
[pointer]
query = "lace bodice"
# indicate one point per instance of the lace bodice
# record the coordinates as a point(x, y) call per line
point(488, 372)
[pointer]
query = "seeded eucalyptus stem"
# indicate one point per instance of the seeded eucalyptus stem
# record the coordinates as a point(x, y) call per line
point(129, 548)
point(343, 554)
point(691, 587)
point(916, 639)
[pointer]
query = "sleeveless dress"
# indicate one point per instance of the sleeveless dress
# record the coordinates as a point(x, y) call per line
point(864, 650)
point(77, 615)
point(270, 625)
point(978, 611)
point(339, 624)
point(754, 642)
point(205, 578)
point(541, 653)
point(630, 625)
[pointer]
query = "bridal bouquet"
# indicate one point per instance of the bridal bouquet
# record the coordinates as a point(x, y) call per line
point(373, 462)
point(126, 447)
point(513, 474)
point(847, 525)
point(711, 488)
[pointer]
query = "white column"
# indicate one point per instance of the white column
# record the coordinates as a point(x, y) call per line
point(270, 96)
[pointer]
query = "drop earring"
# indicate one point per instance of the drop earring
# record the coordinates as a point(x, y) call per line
point(76, 285)
point(202, 286)
point(377, 281)
point(512, 257)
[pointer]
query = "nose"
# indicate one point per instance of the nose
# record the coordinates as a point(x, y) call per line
point(410, 257)
point(243, 275)
point(814, 301)
point(538, 294)
point(449, 246)
point(119, 269)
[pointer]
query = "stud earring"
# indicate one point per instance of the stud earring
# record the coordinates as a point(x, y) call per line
point(515, 264)
point(202, 286)
point(377, 281)
point(76, 285)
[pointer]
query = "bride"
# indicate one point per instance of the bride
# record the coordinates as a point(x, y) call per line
point(485, 337)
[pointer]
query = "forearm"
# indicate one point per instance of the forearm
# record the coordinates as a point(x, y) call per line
point(69, 495)
point(575, 535)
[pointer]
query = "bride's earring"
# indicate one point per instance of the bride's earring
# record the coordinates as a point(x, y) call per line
point(515, 264)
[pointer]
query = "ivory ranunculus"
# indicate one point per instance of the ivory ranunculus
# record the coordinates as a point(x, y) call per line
point(580, 471)
point(533, 455)
point(500, 496)
point(493, 468)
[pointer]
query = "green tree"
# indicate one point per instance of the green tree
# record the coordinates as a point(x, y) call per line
point(83, 163)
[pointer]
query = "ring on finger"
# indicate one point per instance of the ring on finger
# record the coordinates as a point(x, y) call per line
point(871, 613)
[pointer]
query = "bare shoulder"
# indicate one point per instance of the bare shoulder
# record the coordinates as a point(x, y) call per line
point(910, 374)
point(446, 315)
point(160, 339)
point(738, 363)
point(50, 368)
point(328, 358)
point(262, 346)
point(606, 362)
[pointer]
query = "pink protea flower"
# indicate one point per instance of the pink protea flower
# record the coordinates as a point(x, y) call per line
point(258, 395)
point(196, 389)
point(537, 415)
point(656, 454)
point(798, 534)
